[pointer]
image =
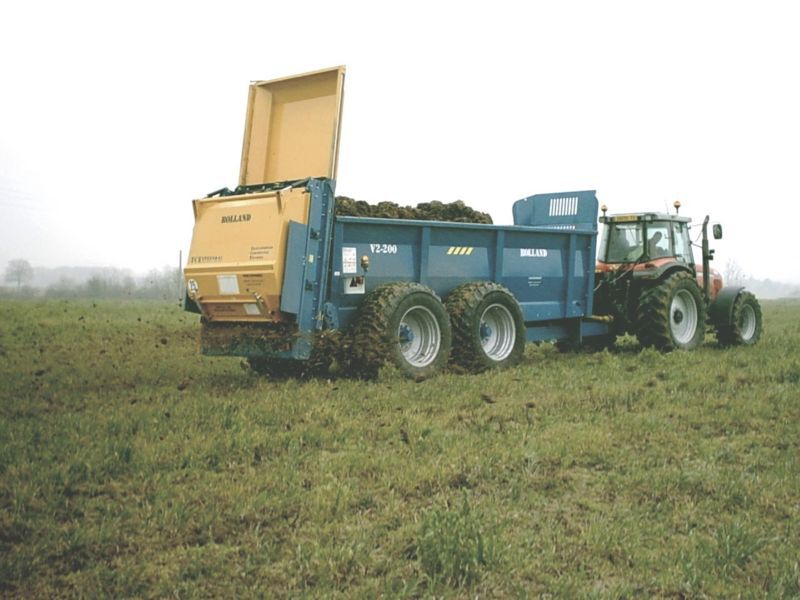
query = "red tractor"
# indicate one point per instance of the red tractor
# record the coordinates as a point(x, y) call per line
point(648, 285)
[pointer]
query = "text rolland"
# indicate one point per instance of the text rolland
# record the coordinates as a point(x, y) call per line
point(236, 218)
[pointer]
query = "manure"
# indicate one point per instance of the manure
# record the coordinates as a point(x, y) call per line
point(455, 212)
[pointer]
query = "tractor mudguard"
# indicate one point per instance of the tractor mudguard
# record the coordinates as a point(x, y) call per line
point(660, 271)
point(720, 312)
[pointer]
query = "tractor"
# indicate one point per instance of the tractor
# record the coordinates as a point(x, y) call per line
point(648, 285)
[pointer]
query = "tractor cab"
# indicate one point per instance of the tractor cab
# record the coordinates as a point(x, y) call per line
point(650, 245)
point(634, 239)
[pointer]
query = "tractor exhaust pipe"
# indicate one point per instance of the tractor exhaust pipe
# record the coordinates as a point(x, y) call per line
point(706, 259)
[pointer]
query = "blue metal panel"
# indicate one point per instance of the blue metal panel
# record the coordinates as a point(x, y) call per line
point(534, 272)
point(312, 265)
point(424, 245)
point(549, 269)
point(294, 274)
point(590, 328)
point(499, 246)
point(564, 210)
point(586, 254)
point(569, 272)
point(548, 330)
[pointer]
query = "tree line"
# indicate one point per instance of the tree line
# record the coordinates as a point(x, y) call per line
point(111, 283)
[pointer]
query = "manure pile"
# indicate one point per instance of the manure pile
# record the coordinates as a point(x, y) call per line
point(457, 211)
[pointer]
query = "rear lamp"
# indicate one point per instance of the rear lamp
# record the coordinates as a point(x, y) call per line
point(192, 288)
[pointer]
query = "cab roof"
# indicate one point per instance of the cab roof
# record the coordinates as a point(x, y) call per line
point(644, 217)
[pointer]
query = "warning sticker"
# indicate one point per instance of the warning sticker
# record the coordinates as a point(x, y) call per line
point(349, 260)
point(228, 284)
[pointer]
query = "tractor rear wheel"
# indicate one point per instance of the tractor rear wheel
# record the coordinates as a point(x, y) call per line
point(488, 327)
point(745, 326)
point(672, 314)
point(404, 324)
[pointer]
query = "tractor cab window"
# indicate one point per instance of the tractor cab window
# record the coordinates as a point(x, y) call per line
point(622, 242)
point(683, 246)
point(659, 240)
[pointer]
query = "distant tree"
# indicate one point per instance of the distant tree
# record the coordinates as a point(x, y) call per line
point(65, 287)
point(734, 274)
point(110, 283)
point(19, 271)
point(96, 286)
point(161, 284)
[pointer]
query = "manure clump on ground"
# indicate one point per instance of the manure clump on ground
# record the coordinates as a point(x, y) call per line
point(456, 212)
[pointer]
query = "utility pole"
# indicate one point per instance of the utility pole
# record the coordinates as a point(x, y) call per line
point(180, 275)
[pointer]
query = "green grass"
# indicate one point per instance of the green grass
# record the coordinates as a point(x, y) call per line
point(132, 466)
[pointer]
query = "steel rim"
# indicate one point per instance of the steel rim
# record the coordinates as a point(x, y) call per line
point(747, 322)
point(497, 332)
point(683, 317)
point(419, 336)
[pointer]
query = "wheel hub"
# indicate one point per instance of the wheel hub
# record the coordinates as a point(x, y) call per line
point(497, 332)
point(747, 322)
point(405, 334)
point(684, 317)
point(419, 336)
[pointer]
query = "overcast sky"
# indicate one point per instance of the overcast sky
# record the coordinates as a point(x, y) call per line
point(114, 115)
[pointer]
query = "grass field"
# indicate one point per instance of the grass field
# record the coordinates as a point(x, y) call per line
point(132, 466)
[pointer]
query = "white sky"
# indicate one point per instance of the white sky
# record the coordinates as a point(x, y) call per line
point(114, 115)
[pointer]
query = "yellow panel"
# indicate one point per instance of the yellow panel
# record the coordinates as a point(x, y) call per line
point(292, 128)
point(238, 251)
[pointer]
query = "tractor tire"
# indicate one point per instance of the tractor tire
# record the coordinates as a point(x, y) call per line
point(671, 315)
point(488, 327)
point(745, 326)
point(403, 324)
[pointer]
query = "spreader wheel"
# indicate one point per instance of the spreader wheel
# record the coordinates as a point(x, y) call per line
point(404, 324)
point(488, 327)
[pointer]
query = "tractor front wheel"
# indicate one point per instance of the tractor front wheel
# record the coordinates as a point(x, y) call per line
point(671, 315)
point(745, 326)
